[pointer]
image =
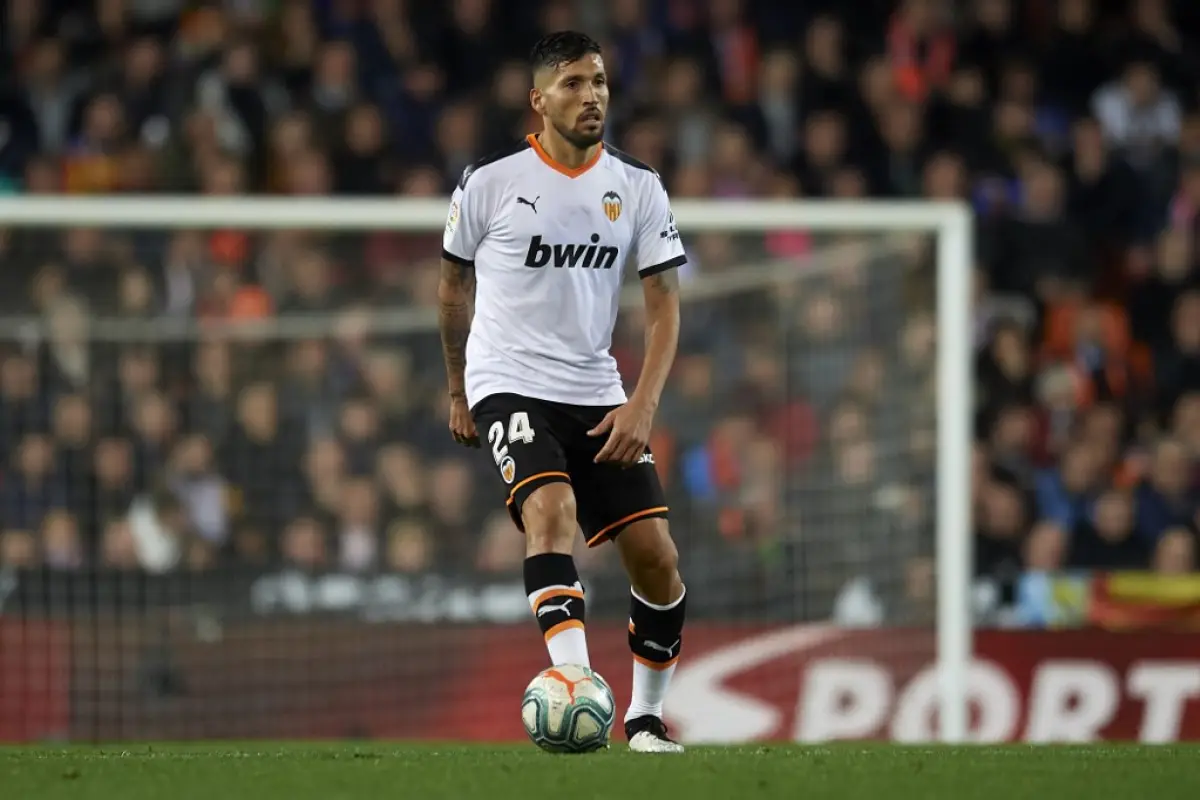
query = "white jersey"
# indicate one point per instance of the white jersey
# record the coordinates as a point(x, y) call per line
point(548, 245)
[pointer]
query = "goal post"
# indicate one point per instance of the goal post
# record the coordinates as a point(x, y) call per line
point(950, 224)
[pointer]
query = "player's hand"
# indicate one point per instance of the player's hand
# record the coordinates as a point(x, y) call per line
point(461, 423)
point(628, 428)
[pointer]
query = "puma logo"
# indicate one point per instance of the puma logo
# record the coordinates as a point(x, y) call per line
point(521, 201)
point(670, 651)
point(546, 608)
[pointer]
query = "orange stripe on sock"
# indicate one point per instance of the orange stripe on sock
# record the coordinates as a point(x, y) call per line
point(655, 665)
point(512, 494)
point(563, 626)
point(550, 594)
point(634, 517)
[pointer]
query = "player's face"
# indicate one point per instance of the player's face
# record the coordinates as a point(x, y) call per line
point(574, 99)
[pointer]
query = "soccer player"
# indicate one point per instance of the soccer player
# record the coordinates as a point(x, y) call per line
point(537, 237)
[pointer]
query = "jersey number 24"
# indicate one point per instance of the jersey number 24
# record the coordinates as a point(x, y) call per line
point(519, 430)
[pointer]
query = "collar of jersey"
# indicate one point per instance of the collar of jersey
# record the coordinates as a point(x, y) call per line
point(557, 167)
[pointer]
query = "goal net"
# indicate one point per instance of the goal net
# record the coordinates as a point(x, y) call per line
point(231, 508)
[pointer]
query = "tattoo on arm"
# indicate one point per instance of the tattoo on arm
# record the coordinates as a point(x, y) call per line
point(455, 293)
point(458, 277)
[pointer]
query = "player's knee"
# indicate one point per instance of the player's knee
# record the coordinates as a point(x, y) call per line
point(654, 568)
point(550, 520)
point(661, 564)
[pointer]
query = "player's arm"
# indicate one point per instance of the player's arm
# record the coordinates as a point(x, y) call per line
point(661, 291)
point(465, 226)
point(659, 256)
point(456, 293)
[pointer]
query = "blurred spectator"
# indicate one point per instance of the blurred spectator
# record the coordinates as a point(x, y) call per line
point(68, 354)
point(1179, 360)
point(153, 427)
point(410, 547)
point(455, 520)
point(51, 94)
point(359, 433)
point(157, 522)
point(365, 166)
point(1105, 539)
point(19, 549)
point(1071, 65)
point(113, 486)
point(32, 487)
point(501, 549)
point(1038, 249)
point(1169, 274)
point(921, 46)
point(200, 489)
point(308, 398)
point(1003, 523)
point(22, 406)
point(1137, 114)
point(822, 153)
point(1165, 499)
point(262, 444)
point(72, 431)
point(1103, 189)
point(1004, 370)
point(118, 549)
point(358, 529)
point(1176, 552)
point(209, 404)
point(62, 546)
point(92, 160)
point(1065, 493)
point(304, 546)
point(325, 474)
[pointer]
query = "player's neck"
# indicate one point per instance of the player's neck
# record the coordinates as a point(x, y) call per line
point(563, 152)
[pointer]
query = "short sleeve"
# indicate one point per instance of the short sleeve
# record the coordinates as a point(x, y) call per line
point(659, 246)
point(466, 222)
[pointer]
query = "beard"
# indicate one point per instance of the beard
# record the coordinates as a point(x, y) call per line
point(579, 139)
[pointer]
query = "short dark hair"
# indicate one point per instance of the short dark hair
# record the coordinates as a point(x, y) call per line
point(561, 47)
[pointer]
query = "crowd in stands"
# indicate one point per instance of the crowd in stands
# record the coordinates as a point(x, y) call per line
point(796, 439)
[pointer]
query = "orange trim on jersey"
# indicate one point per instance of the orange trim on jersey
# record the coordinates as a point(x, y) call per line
point(563, 626)
point(631, 630)
point(539, 475)
point(648, 512)
point(570, 172)
point(551, 593)
point(655, 665)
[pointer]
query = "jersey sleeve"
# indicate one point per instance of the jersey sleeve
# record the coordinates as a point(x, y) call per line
point(659, 247)
point(466, 222)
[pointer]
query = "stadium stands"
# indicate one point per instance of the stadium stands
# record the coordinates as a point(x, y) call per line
point(1073, 128)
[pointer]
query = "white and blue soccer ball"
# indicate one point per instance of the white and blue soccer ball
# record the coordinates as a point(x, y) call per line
point(568, 709)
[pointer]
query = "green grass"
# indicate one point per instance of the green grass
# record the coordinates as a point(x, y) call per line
point(366, 771)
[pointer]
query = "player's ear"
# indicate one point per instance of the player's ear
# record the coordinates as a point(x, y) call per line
point(537, 100)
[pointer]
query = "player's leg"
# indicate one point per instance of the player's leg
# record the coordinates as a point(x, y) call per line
point(530, 461)
point(657, 609)
point(628, 506)
point(551, 580)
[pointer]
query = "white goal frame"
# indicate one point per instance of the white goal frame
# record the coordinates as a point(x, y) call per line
point(950, 222)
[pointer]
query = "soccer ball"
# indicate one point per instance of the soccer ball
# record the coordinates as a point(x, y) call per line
point(568, 709)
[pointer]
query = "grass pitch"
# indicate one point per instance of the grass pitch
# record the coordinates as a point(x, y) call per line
point(366, 771)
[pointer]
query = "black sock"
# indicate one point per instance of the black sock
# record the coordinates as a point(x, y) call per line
point(556, 597)
point(656, 632)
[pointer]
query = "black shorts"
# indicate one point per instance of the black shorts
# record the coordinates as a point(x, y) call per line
point(536, 442)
